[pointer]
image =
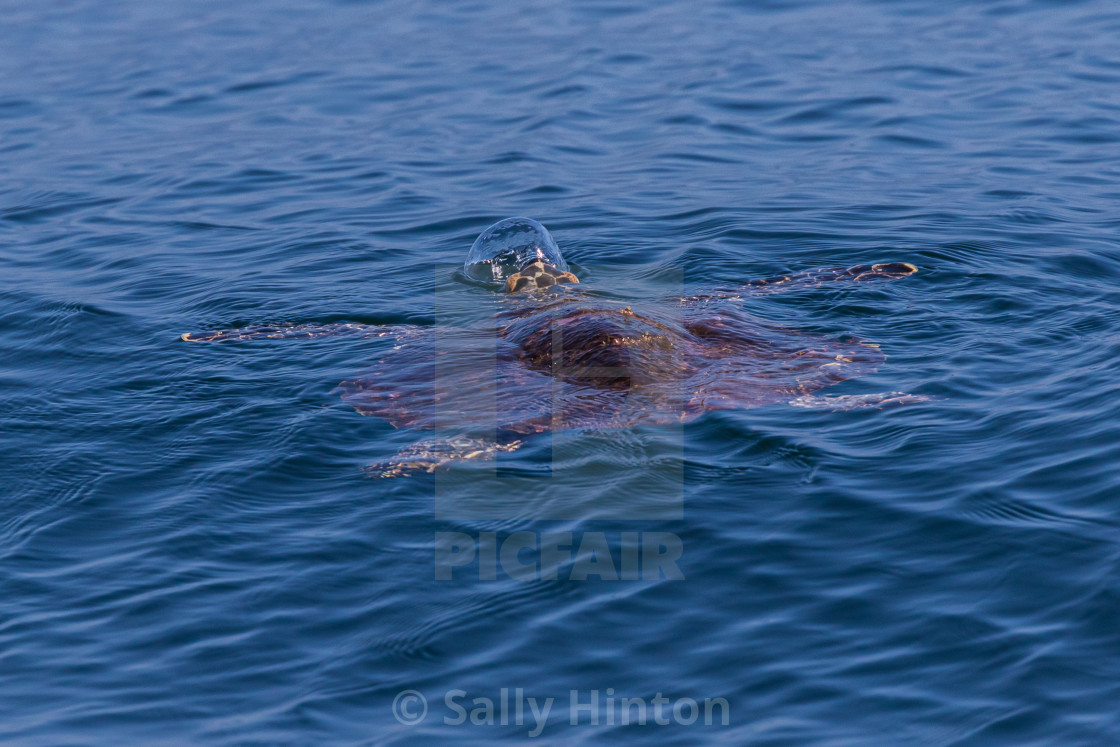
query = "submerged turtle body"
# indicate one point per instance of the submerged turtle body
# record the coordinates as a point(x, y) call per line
point(568, 363)
point(553, 358)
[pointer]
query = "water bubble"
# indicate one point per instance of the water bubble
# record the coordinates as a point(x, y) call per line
point(507, 246)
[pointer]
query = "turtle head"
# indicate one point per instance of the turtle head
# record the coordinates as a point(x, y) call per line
point(517, 255)
point(538, 275)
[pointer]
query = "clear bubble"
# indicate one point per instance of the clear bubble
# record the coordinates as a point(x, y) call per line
point(507, 246)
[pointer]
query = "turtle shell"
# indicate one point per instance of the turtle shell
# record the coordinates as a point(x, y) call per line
point(589, 364)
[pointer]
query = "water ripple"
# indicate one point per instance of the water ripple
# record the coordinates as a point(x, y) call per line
point(191, 549)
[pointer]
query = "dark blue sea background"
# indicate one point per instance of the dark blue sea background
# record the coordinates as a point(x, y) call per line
point(190, 551)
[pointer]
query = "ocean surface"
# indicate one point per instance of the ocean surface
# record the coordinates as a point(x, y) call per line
point(192, 553)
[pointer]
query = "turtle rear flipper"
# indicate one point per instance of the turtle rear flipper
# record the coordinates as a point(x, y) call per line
point(438, 454)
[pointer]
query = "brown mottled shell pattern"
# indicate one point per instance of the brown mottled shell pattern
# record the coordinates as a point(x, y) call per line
point(571, 363)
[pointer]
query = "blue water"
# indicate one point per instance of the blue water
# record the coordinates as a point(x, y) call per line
point(190, 551)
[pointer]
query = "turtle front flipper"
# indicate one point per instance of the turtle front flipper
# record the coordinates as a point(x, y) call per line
point(812, 279)
point(818, 277)
point(841, 402)
point(437, 454)
point(295, 331)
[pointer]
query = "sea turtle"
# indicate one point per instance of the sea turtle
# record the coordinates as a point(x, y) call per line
point(550, 357)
